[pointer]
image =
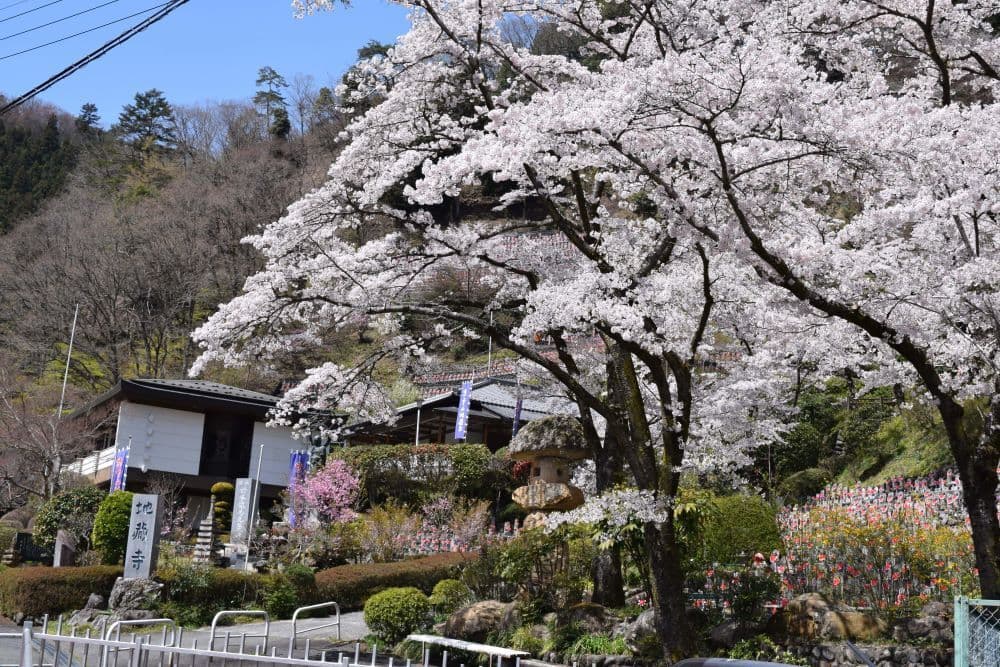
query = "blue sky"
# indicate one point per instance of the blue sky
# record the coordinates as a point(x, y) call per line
point(205, 50)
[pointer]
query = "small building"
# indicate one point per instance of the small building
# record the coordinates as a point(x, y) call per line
point(493, 402)
point(201, 432)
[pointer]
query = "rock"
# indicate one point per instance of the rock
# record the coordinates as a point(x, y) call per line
point(512, 619)
point(87, 617)
point(590, 617)
point(641, 636)
point(548, 496)
point(131, 594)
point(725, 635)
point(809, 603)
point(851, 625)
point(95, 601)
point(137, 615)
point(475, 622)
point(938, 609)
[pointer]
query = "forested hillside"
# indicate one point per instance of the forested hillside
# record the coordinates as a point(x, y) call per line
point(139, 221)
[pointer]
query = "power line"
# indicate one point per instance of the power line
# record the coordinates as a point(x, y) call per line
point(65, 18)
point(28, 11)
point(13, 4)
point(82, 32)
point(93, 55)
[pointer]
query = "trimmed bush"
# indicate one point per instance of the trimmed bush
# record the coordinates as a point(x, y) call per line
point(804, 483)
point(35, 591)
point(450, 595)
point(281, 599)
point(396, 612)
point(110, 536)
point(351, 585)
point(303, 579)
point(195, 593)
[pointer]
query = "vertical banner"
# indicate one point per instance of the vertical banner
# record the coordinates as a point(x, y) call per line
point(518, 404)
point(462, 421)
point(143, 536)
point(120, 470)
point(243, 499)
point(298, 465)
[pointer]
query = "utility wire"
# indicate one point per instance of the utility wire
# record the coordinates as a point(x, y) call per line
point(28, 11)
point(65, 18)
point(93, 55)
point(82, 32)
point(13, 4)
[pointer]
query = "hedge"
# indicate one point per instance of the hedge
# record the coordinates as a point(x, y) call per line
point(35, 591)
point(351, 585)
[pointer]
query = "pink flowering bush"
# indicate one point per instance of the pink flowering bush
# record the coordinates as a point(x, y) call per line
point(330, 492)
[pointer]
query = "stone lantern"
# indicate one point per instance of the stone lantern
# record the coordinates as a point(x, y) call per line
point(551, 444)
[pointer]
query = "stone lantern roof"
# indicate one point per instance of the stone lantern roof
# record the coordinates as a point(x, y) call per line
point(555, 436)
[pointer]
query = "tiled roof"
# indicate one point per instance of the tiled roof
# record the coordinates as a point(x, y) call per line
point(208, 388)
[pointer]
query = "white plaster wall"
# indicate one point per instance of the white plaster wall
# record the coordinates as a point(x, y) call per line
point(278, 447)
point(162, 439)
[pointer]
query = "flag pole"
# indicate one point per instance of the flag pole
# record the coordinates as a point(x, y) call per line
point(69, 357)
point(254, 500)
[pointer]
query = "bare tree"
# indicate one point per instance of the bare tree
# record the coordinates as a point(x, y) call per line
point(35, 442)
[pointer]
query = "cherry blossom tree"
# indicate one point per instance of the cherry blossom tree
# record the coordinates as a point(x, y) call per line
point(568, 264)
point(768, 184)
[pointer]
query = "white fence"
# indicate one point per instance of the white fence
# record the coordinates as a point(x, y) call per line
point(93, 464)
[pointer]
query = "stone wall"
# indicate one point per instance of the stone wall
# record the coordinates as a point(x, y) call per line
point(898, 655)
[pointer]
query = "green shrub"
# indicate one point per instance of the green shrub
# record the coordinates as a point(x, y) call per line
point(450, 595)
point(524, 639)
point(763, 648)
point(397, 612)
point(223, 492)
point(739, 524)
point(803, 484)
point(281, 599)
point(351, 585)
point(598, 645)
point(111, 524)
point(35, 591)
point(73, 511)
point(205, 590)
point(303, 579)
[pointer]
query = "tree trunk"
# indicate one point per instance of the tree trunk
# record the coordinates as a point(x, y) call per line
point(606, 573)
point(977, 468)
point(668, 598)
point(606, 569)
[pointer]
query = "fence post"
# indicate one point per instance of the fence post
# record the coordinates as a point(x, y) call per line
point(26, 657)
point(961, 631)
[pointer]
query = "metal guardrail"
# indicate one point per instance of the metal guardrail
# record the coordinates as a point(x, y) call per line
point(240, 612)
point(314, 607)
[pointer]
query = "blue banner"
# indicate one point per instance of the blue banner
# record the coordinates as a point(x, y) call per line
point(462, 421)
point(518, 404)
point(297, 468)
point(120, 470)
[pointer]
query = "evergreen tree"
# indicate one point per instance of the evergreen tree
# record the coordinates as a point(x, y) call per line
point(268, 97)
point(148, 123)
point(88, 120)
point(281, 125)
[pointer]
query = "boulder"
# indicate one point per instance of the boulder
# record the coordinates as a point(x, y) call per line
point(641, 637)
point(548, 496)
point(475, 622)
point(729, 633)
point(809, 603)
point(589, 617)
point(132, 594)
point(95, 601)
point(851, 625)
point(90, 617)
